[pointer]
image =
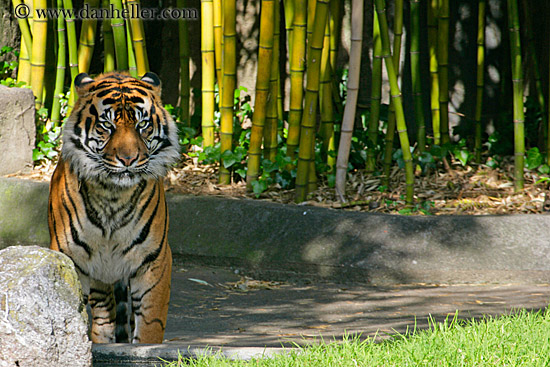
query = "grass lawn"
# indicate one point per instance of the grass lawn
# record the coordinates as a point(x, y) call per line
point(520, 339)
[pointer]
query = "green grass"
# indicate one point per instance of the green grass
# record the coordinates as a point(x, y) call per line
point(521, 339)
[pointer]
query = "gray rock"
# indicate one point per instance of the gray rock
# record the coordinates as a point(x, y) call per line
point(17, 129)
point(42, 318)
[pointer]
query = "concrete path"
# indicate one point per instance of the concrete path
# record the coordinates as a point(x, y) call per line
point(215, 307)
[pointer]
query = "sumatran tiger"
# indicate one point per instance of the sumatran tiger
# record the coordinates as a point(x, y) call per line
point(107, 209)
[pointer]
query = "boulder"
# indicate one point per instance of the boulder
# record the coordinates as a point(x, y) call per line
point(43, 321)
point(17, 129)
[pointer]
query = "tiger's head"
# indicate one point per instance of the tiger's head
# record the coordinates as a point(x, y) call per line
point(119, 133)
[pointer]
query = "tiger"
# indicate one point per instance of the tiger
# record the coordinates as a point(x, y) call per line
point(107, 209)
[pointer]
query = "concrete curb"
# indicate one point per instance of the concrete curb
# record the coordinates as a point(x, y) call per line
point(318, 242)
point(149, 355)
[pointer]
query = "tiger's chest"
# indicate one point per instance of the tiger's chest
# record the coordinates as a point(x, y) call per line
point(114, 233)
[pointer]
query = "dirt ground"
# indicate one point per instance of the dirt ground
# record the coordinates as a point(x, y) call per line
point(472, 190)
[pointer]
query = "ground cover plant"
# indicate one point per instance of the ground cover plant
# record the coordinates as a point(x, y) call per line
point(516, 339)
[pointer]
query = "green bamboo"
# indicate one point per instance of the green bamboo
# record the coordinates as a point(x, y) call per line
point(433, 9)
point(61, 66)
point(443, 69)
point(325, 101)
point(119, 35)
point(415, 75)
point(396, 99)
point(297, 67)
point(353, 90)
point(208, 72)
point(265, 56)
point(132, 65)
point(289, 8)
point(51, 64)
point(38, 56)
point(108, 42)
point(138, 40)
point(229, 71)
point(306, 155)
point(479, 79)
point(87, 39)
point(25, 31)
point(270, 128)
point(218, 41)
point(184, 54)
point(73, 52)
point(376, 94)
point(390, 131)
point(517, 83)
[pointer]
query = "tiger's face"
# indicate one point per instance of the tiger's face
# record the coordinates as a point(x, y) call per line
point(119, 133)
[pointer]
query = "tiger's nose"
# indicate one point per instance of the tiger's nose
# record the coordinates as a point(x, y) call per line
point(127, 160)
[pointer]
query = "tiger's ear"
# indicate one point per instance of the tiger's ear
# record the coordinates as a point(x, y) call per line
point(82, 83)
point(153, 80)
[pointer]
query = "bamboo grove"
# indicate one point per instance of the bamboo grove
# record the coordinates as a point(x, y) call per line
point(304, 119)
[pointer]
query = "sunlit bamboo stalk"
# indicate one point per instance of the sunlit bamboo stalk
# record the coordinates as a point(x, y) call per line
point(517, 83)
point(24, 68)
point(132, 64)
point(416, 75)
point(396, 98)
point(87, 39)
point(38, 56)
point(297, 67)
point(208, 72)
point(390, 131)
point(443, 69)
point(433, 9)
point(138, 40)
point(218, 40)
point(184, 54)
point(265, 56)
point(60, 71)
point(479, 78)
point(306, 154)
point(73, 53)
point(376, 94)
point(325, 102)
point(289, 6)
point(346, 130)
point(229, 71)
point(26, 40)
point(119, 35)
point(109, 57)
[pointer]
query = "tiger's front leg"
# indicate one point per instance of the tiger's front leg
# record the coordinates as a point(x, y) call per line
point(150, 292)
point(102, 303)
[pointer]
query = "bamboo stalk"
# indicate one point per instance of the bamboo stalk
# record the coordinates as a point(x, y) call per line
point(229, 70)
point(325, 101)
point(218, 40)
point(132, 64)
point(443, 69)
point(396, 99)
point(270, 128)
point(335, 38)
point(38, 56)
point(24, 68)
point(208, 72)
point(119, 35)
point(61, 66)
point(87, 39)
point(353, 90)
point(26, 41)
point(265, 56)
point(376, 94)
point(297, 68)
point(184, 53)
point(479, 78)
point(73, 52)
point(108, 42)
point(517, 83)
point(390, 131)
point(306, 154)
point(433, 9)
point(416, 76)
point(138, 40)
point(289, 8)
